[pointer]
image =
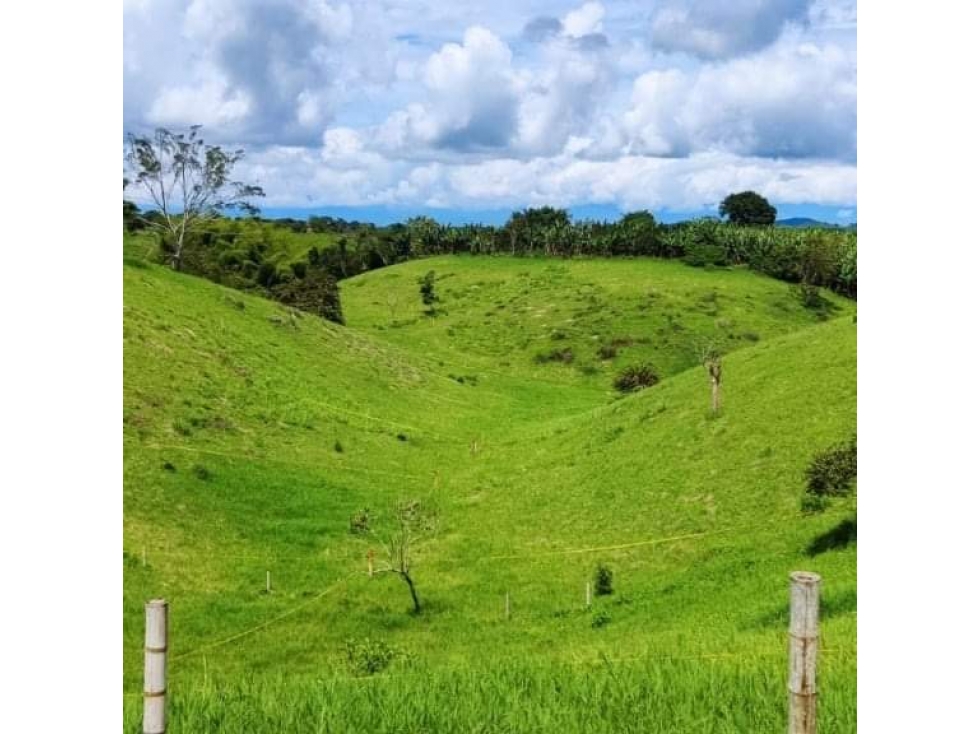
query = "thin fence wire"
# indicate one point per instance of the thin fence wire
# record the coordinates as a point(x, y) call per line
point(335, 586)
point(267, 623)
point(527, 554)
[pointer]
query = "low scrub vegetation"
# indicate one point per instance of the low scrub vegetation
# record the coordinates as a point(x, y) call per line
point(833, 471)
point(564, 355)
point(369, 656)
point(603, 580)
point(636, 377)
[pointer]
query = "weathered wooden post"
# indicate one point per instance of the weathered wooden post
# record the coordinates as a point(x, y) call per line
point(588, 595)
point(155, 670)
point(803, 651)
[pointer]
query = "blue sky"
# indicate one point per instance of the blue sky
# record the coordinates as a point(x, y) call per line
point(465, 111)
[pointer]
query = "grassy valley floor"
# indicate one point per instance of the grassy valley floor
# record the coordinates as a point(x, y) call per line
point(253, 433)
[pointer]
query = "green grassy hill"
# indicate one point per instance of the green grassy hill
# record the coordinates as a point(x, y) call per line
point(252, 433)
point(504, 314)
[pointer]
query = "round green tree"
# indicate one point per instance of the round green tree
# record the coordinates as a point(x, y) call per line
point(747, 208)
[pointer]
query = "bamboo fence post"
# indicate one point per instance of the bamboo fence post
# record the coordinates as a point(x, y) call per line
point(803, 651)
point(155, 669)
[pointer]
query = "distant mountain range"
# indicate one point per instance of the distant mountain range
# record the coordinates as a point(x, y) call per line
point(807, 222)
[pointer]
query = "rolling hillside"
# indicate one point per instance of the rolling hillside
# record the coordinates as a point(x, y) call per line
point(253, 433)
point(505, 314)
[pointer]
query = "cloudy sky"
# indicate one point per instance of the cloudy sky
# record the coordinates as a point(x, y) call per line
point(469, 109)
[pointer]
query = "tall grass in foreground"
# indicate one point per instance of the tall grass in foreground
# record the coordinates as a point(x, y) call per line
point(702, 696)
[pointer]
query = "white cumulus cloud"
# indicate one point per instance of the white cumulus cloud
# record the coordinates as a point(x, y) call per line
point(715, 29)
point(794, 99)
point(673, 104)
point(584, 20)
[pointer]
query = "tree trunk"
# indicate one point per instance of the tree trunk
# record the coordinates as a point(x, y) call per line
point(178, 252)
point(414, 594)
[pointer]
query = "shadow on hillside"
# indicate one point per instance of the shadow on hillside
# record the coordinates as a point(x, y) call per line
point(841, 536)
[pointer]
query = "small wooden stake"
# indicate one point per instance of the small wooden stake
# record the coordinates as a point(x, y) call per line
point(803, 651)
point(588, 595)
point(155, 669)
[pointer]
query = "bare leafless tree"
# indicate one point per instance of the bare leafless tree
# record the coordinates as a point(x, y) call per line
point(188, 181)
point(413, 526)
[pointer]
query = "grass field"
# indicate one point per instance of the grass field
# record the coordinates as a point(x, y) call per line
point(253, 433)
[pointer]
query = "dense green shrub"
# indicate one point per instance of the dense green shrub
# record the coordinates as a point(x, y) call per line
point(703, 243)
point(367, 656)
point(600, 619)
point(317, 293)
point(847, 277)
point(820, 259)
point(360, 522)
point(636, 377)
point(232, 259)
point(603, 580)
point(810, 297)
point(427, 290)
point(705, 255)
point(832, 471)
point(267, 275)
point(131, 219)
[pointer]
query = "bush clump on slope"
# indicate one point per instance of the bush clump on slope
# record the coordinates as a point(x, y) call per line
point(636, 377)
point(831, 472)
